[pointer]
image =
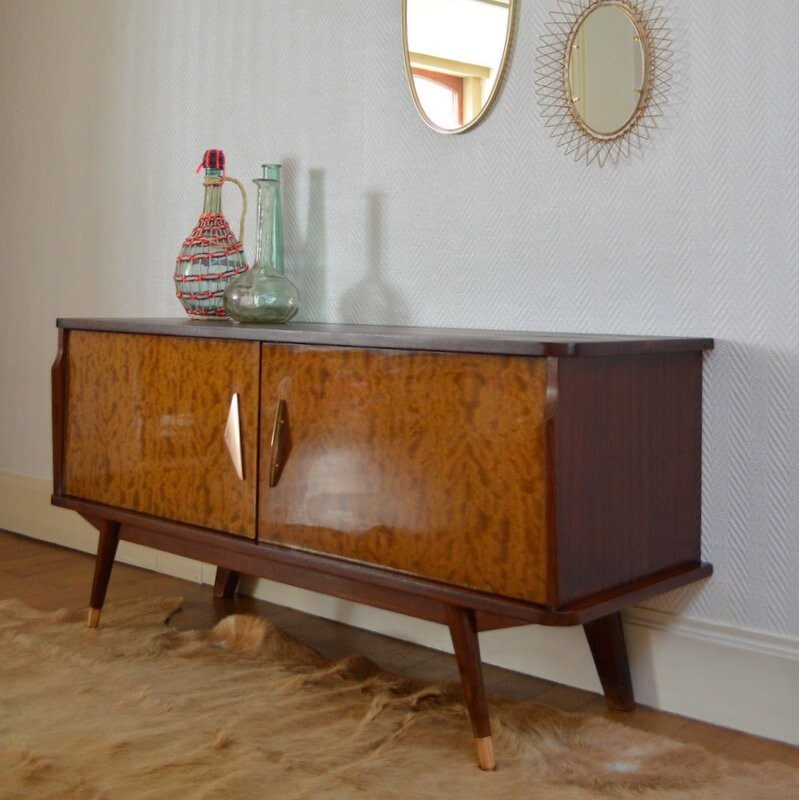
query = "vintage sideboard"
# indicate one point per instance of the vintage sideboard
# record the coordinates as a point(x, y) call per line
point(480, 479)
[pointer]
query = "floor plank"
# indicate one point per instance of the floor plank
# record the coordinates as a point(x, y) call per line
point(749, 748)
point(712, 737)
point(49, 577)
point(643, 718)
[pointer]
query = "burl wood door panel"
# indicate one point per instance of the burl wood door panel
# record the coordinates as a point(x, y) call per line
point(145, 425)
point(430, 463)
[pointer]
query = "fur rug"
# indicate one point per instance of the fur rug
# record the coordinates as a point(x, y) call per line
point(138, 710)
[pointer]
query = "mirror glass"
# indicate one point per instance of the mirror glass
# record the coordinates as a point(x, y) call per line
point(607, 69)
point(454, 53)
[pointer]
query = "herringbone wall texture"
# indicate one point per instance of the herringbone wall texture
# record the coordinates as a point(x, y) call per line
point(108, 105)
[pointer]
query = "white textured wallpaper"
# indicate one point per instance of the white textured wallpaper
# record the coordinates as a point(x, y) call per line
point(108, 106)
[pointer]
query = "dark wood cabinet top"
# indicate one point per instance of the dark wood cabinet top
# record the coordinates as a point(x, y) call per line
point(520, 343)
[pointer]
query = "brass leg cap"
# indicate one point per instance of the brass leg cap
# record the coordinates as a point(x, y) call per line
point(94, 618)
point(485, 753)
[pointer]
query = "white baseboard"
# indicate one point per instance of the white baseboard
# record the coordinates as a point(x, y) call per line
point(729, 676)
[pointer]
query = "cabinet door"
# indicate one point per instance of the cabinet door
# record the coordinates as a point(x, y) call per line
point(145, 426)
point(429, 463)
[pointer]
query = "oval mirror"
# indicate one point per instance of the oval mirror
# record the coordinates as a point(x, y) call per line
point(607, 69)
point(455, 51)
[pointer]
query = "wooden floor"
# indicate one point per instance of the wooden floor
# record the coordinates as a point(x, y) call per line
point(49, 577)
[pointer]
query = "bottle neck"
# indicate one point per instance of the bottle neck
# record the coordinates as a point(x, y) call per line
point(212, 202)
point(269, 241)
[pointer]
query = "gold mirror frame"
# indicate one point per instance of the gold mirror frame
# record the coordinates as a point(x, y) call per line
point(495, 89)
point(552, 84)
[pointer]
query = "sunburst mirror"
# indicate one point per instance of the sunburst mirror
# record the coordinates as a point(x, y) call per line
point(603, 76)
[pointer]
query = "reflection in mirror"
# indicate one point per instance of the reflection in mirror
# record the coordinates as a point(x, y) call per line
point(606, 69)
point(454, 54)
point(603, 76)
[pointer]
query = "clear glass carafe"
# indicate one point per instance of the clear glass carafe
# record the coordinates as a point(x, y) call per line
point(211, 256)
point(264, 293)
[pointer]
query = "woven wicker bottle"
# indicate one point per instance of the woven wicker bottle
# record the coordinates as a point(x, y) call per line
point(211, 256)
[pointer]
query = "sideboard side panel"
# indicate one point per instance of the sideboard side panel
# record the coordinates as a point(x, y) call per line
point(628, 468)
point(58, 381)
point(429, 463)
point(145, 425)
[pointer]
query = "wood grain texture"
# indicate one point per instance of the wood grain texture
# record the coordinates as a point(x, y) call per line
point(464, 635)
point(145, 424)
point(606, 639)
point(107, 543)
point(225, 582)
point(455, 340)
point(428, 463)
point(372, 585)
point(627, 439)
point(58, 386)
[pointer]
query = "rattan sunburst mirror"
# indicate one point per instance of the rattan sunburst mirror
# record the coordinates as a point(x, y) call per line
point(603, 75)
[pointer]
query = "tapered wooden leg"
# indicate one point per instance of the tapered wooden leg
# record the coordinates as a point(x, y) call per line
point(607, 643)
point(106, 550)
point(464, 633)
point(226, 582)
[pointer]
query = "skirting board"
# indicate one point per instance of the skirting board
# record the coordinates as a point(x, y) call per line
point(737, 678)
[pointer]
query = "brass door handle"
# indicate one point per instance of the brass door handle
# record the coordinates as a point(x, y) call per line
point(233, 436)
point(279, 443)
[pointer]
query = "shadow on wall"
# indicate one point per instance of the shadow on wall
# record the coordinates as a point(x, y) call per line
point(305, 254)
point(372, 299)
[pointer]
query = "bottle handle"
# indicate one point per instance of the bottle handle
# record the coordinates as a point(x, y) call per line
point(244, 205)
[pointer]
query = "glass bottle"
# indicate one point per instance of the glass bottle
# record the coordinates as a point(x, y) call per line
point(211, 255)
point(264, 293)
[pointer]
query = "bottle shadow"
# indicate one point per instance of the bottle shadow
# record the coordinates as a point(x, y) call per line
point(372, 299)
point(306, 252)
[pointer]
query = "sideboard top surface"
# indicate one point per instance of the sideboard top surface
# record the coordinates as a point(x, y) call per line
point(519, 343)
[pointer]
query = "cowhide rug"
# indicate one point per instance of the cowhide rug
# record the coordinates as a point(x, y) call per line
point(137, 709)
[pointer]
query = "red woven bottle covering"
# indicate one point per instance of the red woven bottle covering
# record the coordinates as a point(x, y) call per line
point(213, 159)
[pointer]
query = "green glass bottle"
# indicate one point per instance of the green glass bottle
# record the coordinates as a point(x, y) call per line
point(264, 293)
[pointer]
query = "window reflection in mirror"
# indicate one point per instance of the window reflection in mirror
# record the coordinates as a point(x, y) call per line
point(442, 96)
point(454, 56)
